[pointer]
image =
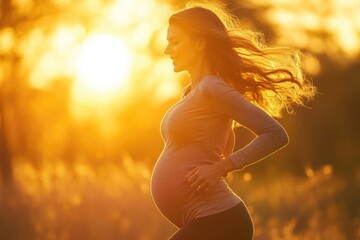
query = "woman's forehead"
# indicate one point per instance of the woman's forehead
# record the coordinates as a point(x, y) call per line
point(174, 31)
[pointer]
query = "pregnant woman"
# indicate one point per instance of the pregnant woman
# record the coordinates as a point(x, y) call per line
point(235, 78)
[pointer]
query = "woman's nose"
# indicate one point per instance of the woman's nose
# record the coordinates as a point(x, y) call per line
point(167, 50)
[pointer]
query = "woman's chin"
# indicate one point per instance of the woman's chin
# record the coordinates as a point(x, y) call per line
point(178, 69)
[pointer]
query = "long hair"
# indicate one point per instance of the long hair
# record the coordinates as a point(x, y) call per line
point(270, 77)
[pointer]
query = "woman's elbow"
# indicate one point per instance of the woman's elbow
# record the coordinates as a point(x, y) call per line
point(279, 136)
point(283, 137)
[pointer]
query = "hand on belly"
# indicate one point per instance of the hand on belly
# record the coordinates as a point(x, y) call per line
point(203, 177)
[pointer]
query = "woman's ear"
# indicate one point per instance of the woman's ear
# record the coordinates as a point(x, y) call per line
point(201, 44)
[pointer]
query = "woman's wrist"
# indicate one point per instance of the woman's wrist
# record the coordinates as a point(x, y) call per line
point(226, 166)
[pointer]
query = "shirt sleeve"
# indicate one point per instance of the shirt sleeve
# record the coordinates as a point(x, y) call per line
point(270, 135)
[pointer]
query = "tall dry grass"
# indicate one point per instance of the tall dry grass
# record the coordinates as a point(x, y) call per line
point(112, 201)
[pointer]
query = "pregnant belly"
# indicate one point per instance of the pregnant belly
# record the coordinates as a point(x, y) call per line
point(170, 189)
point(172, 193)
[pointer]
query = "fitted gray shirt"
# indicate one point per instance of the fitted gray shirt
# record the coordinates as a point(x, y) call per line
point(196, 131)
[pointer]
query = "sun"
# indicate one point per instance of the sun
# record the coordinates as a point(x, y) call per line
point(102, 66)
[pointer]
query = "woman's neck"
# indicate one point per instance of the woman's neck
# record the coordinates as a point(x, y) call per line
point(198, 72)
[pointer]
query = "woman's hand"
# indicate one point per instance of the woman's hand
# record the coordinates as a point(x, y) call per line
point(205, 176)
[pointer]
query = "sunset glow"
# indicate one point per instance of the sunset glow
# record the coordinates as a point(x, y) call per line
point(84, 86)
point(103, 66)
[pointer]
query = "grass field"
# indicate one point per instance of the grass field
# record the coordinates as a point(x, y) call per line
point(114, 202)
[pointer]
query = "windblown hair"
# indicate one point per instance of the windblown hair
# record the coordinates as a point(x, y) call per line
point(270, 77)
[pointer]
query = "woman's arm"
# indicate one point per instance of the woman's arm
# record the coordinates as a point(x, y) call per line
point(270, 135)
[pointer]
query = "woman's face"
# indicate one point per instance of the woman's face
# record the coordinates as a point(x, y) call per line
point(182, 48)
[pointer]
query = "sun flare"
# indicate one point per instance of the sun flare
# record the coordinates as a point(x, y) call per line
point(103, 65)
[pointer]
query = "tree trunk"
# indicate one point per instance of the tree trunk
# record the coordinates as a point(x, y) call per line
point(5, 155)
point(6, 169)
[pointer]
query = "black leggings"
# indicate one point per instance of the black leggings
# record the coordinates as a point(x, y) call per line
point(232, 224)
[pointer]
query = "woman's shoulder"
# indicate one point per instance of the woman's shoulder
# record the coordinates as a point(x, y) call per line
point(212, 84)
point(211, 79)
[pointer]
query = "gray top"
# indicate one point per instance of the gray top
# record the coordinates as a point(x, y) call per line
point(196, 131)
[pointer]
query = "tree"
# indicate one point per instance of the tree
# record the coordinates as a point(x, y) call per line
point(5, 153)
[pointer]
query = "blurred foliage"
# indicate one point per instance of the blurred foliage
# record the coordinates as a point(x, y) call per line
point(77, 153)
